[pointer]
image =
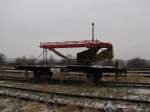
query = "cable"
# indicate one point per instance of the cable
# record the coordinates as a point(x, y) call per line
point(36, 58)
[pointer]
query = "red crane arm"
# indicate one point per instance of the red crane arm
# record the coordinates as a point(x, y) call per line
point(71, 44)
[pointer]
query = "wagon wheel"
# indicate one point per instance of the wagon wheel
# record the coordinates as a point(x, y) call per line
point(94, 77)
point(37, 75)
point(49, 75)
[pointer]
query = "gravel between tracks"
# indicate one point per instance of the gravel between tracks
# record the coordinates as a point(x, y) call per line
point(137, 107)
point(16, 105)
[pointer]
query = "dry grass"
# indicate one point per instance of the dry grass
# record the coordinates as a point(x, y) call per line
point(73, 109)
point(129, 78)
point(33, 107)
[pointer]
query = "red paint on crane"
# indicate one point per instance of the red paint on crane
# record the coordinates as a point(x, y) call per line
point(72, 44)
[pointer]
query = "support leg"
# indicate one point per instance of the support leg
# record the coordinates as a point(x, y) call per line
point(116, 76)
point(27, 74)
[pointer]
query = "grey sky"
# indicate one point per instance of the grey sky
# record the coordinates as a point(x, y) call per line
point(26, 23)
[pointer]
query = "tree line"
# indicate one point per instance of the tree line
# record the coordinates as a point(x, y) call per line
point(136, 62)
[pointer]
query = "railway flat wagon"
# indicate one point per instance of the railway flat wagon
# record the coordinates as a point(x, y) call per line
point(93, 73)
point(95, 51)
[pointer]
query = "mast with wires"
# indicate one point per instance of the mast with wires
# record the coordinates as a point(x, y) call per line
point(92, 34)
point(92, 56)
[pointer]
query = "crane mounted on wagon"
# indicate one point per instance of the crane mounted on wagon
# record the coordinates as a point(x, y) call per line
point(96, 50)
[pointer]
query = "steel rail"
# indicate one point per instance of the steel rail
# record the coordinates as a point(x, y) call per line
point(44, 101)
point(77, 95)
point(101, 83)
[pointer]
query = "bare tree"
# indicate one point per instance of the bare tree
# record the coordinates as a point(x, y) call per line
point(24, 61)
point(137, 63)
point(20, 61)
point(2, 59)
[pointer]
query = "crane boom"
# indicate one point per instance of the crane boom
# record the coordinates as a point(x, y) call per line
point(84, 57)
point(75, 44)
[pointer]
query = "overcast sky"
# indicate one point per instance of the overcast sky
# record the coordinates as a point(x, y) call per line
point(26, 23)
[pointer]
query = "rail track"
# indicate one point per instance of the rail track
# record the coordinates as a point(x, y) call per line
point(33, 94)
point(48, 97)
point(125, 84)
point(30, 96)
point(12, 78)
point(77, 82)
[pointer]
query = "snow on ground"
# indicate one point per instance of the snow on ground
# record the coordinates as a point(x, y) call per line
point(17, 105)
